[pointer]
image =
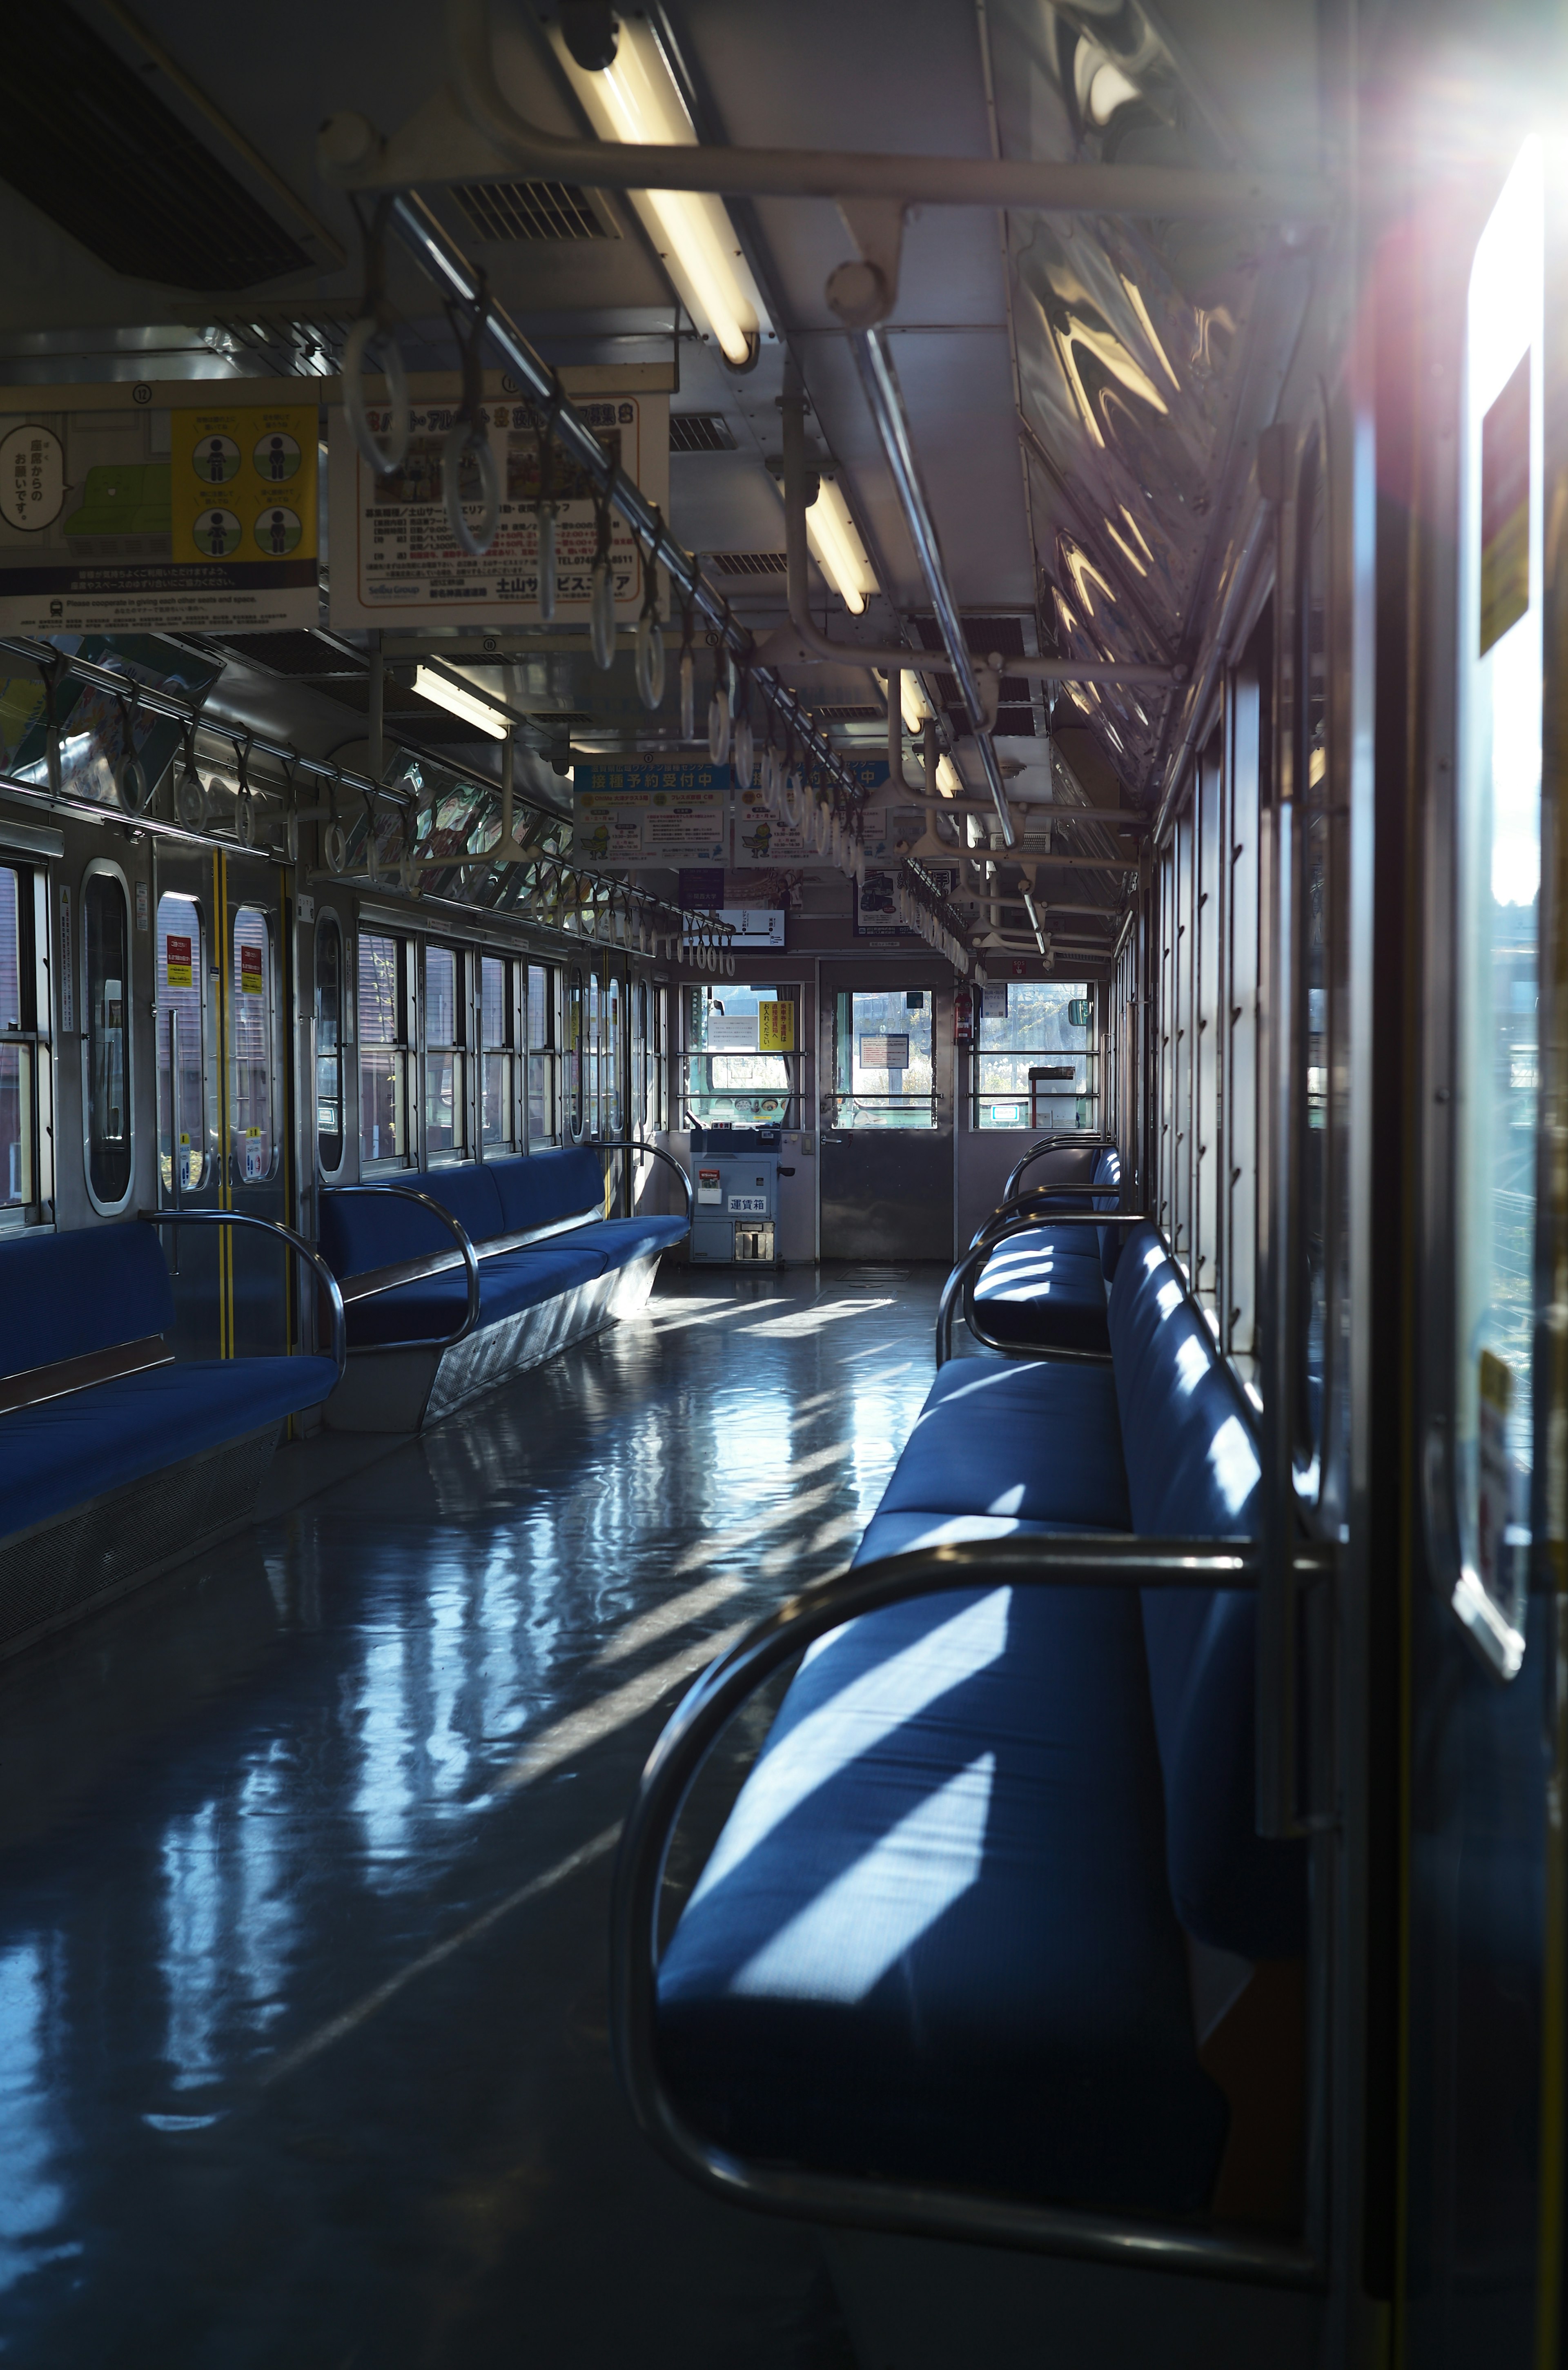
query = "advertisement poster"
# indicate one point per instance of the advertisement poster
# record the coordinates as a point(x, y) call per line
point(181, 507)
point(764, 840)
point(650, 813)
point(395, 559)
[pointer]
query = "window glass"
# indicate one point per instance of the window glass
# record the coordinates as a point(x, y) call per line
point(729, 1078)
point(106, 954)
point(384, 1048)
point(642, 1079)
point(612, 1054)
point(571, 1060)
point(499, 1125)
point(884, 1074)
point(594, 1049)
point(445, 1111)
point(250, 1037)
point(543, 1126)
point(1034, 1055)
point(16, 1055)
point(180, 961)
point(1498, 877)
point(330, 1044)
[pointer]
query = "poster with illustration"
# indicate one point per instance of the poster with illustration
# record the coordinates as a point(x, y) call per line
point(176, 507)
point(650, 812)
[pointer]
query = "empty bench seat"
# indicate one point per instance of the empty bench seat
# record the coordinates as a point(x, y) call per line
point(1047, 1285)
point(139, 1456)
point(552, 1268)
point(941, 1936)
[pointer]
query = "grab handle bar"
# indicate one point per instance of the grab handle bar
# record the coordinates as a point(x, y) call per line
point(296, 1243)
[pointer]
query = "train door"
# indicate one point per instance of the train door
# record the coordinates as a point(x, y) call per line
point(887, 1118)
point(224, 1098)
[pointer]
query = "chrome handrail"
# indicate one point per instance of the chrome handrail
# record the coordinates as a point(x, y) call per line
point(1081, 1197)
point(1084, 1141)
point(919, 2209)
point(296, 1243)
point(958, 1283)
point(631, 1144)
point(466, 1248)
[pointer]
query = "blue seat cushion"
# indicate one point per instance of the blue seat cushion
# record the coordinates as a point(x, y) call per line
point(55, 1455)
point(624, 1240)
point(1193, 1471)
point(436, 1306)
point(361, 1231)
point(1030, 1292)
point(934, 1941)
point(547, 1186)
point(62, 1296)
point(1033, 1440)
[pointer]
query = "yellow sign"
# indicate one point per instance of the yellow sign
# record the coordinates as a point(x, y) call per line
point(775, 1026)
point(243, 487)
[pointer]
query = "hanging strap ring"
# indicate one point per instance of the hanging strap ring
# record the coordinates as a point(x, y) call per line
point(468, 438)
point(372, 337)
point(650, 634)
point(291, 810)
point(243, 804)
point(129, 774)
point(544, 508)
point(190, 797)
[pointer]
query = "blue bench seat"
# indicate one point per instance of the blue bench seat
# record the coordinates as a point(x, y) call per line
point(437, 1304)
point(1047, 1285)
point(941, 1936)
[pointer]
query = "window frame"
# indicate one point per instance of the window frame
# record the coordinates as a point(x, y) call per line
point(546, 1052)
point(101, 867)
point(278, 1120)
point(979, 1050)
point(453, 1155)
point(402, 1047)
point(32, 1037)
point(513, 1140)
point(328, 917)
point(201, 959)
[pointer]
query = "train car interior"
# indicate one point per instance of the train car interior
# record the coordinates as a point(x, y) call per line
point(783, 1577)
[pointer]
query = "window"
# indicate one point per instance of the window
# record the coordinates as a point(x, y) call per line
point(445, 1096)
point(106, 963)
point(251, 1027)
point(180, 969)
point(329, 1044)
point(593, 1084)
point(571, 1115)
point(544, 1123)
point(18, 1043)
point(612, 1054)
point(729, 1078)
point(1033, 1065)
point(883, 1075)
point(384, 1048)
point(641, 1074)
point(1496, 1110)
point(496, 1036)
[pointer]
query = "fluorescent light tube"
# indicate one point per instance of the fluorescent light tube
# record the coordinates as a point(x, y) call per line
point(466, 704)
point(637, 100)
point(912, 700)
point(840, 554)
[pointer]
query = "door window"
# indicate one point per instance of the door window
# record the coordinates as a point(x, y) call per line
point(883, 1058)
point(106, 962)
point(329, 1044)
point(1034, 1057)
point(251, 1020)
point(17, 1043)
point(180, 957)
point(1498, 878)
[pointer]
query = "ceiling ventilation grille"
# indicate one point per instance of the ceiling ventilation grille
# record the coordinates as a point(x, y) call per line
point(750, 563)
point(530, 210)
point(849, 715)
point(700, 432)
point(99, 153)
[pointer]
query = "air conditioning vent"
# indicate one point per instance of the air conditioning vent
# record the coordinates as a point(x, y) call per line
point(99, 153)
point(749, 563)
point(700, 432)
point(532, 210)
point(849, 715)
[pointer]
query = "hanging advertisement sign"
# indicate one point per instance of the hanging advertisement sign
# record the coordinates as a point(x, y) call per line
point(764, 840)
point(395, 559)
point(646, 812)
point(178, 506)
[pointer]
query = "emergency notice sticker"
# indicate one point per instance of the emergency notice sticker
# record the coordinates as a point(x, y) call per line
point(395, 560)
point(149, 508)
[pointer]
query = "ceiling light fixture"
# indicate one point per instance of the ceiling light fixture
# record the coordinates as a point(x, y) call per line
point(469, 704)
point(840, 554)
point(637, 99)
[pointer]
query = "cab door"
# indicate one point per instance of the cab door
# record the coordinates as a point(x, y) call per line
point(887, 1150)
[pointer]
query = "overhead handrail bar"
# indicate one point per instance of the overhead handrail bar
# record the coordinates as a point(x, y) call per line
point(296, 1243)
point(918, 2208)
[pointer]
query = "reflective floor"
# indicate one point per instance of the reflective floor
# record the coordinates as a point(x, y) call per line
point(305, 1871)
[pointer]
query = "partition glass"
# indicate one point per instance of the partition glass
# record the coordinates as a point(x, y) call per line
point(180, 971)
point(252, 1008)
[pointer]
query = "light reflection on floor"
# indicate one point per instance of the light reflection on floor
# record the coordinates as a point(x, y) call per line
point(240, 1802)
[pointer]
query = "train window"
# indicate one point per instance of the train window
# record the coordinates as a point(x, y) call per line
point(729, 1078)
point(384, 1048)
point(329, 1044)
point(1498, 877)
point(884, 1074)
point(106, 963)
point(570, 1066)
point(179, 956)
point(19, 1050)
point(591, 1051)
point(446, 1093)
point(544, 1123)
point(1033, 1065)
point(498, 1110)
point(251, 1029)
point(662, 1087)
point(641, 1093)
point(613, 1056)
